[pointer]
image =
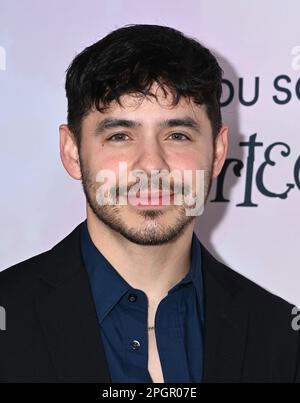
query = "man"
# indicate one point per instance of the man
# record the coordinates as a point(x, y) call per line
point(131, 295)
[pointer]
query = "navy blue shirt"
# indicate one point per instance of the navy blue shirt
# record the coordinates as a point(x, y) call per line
point(122, 314)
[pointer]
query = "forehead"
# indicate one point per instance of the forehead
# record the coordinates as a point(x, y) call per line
point(150, 109)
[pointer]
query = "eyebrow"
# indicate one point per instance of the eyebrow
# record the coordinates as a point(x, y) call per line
point(110, 123)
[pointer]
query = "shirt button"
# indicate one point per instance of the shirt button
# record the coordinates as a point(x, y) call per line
point(135, 345)
point(132, 297)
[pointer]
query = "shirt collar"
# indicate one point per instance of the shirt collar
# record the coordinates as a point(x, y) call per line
point(108, 287)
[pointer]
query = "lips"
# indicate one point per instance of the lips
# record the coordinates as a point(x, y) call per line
point(148, 195)
point(154, 198)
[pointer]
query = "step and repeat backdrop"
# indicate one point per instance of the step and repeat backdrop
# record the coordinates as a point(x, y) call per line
point(251, 221)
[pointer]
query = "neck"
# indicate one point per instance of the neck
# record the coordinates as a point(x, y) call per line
point(153, 269)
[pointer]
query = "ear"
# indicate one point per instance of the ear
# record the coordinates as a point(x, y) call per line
point(220, 150)
point(69, 152)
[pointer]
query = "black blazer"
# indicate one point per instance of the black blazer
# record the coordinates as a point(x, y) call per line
point(52, 333)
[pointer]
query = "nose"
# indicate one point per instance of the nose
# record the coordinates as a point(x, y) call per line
point(150, 156)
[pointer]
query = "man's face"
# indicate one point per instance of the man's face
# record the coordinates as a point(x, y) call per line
point(149, 135)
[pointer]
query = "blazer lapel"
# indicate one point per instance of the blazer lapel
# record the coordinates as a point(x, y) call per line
point(225, 324)
point(67, 315)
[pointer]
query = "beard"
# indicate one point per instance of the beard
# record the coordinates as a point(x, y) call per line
point(150, 231)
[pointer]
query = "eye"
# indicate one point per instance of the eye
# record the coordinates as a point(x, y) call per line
point(118, 137)
point(178, 136)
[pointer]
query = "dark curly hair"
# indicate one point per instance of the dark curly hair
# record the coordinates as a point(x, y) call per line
point(130, 60)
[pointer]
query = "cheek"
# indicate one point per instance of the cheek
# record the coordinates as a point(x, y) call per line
point(111, 163)
point(193, 160)
point(98, 158)
point(189, 163)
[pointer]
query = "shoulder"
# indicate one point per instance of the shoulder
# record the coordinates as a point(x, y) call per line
point(22, 275)
point(256, 297)
point(21, 278)
point(272, 322)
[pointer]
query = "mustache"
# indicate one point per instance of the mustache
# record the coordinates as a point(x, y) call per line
point(137, 187)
